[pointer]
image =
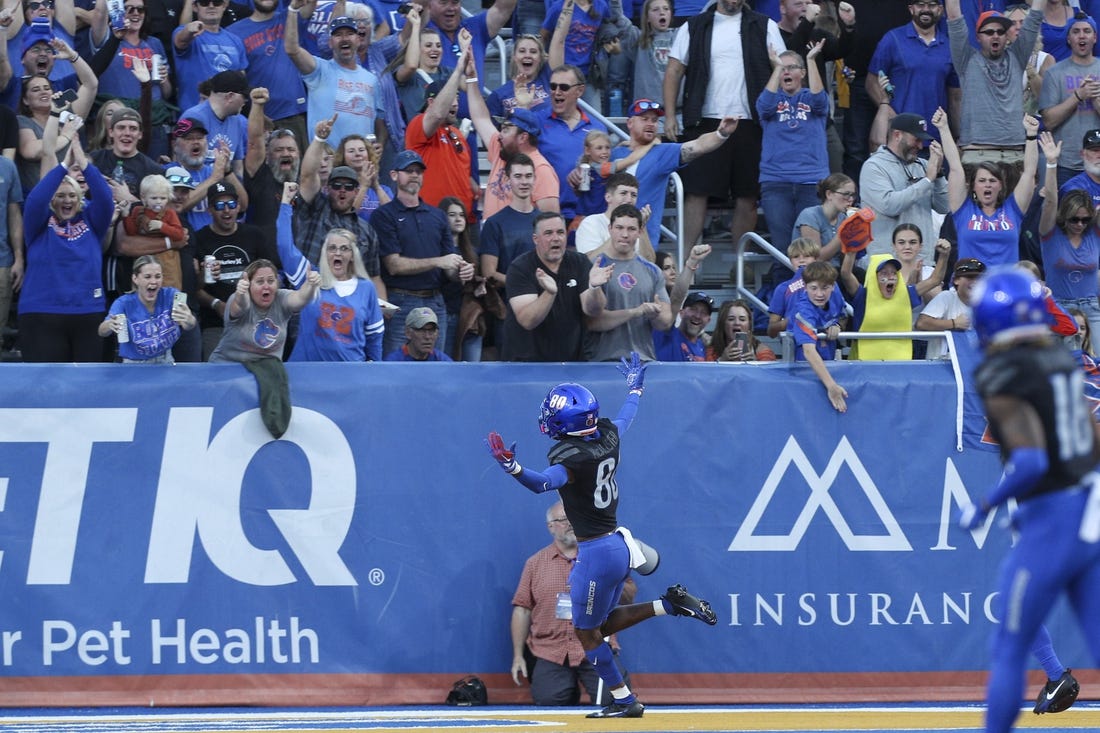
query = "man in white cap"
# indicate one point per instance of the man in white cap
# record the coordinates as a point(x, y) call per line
point(421, 333)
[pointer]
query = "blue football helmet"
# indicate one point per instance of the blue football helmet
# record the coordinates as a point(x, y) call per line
point(1008, 303)
point(569, 409)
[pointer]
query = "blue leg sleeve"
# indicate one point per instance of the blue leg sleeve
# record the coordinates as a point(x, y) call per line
point(604, 662)
point(1043, 651)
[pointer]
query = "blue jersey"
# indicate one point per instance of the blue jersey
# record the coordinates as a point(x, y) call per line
point(269, 65)
point(208, 53)
point(813, 320)
point(673, 345)
point(652, 172)
point(151, 334)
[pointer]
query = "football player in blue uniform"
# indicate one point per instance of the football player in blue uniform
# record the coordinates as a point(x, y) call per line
point(1032, 389)
point(582, 470)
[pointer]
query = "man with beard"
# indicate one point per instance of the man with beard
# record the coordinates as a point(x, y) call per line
point(1067, 101)
point(267, 166)
point(338, 86)
point(203, 49)
point(1087, 180)
point(234, 246)
point(434, 136)
point(990, 80)
point(268, 67)
point(550, 292)
point(658, 163)
point(684, 341)
point(901, 187)
point(519, 134)
point(917, 60)
point(220, 114)
point(540, 631)
point(416, 249)
point(189, 151)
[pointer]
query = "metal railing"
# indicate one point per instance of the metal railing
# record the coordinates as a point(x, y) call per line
point(786, 339)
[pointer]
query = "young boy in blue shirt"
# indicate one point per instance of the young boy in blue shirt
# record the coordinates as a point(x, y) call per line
point(814, 318)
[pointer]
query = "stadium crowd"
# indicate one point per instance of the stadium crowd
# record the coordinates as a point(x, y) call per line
point(893, 146)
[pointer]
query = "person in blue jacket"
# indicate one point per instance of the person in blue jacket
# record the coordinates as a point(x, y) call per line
point(62, 301)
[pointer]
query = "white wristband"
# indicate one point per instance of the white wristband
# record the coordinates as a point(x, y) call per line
point(471, 80)
point(167, 243)
point(320, 139)
point(214, 303)
point(1052, 165)
point(718, 132)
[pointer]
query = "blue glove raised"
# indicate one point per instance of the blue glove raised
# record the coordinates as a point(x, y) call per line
point(973, 516)
point(506, 457)
point(633, 368)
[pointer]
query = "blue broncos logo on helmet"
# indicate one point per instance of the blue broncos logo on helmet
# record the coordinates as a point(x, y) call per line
point(569, 409)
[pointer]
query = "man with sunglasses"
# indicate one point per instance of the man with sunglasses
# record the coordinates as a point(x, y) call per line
point(1068, 99)
point(234, 246)
point(338, 85)
point(203, 49)
point(990, 82)
point(1088, 180)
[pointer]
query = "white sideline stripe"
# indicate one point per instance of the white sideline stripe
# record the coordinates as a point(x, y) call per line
point(479, 712)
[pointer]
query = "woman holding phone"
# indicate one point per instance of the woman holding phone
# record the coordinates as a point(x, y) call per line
point(733, 339)
point(148, 319)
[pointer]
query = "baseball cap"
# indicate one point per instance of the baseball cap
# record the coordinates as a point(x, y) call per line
point(177, 175)
point(1082, 17)
point(969, 266)
point(35, 33)
point(699, 297)
point(421, 317)
point(913, 124)
point(186, 125)
point(643, 105)
point(229, 81)
point(993, 16)
point(406, 158)
point(1091, 139)
point(219, 189)
point(524, 119)
point(119, 115)
point(889, 261)
point(431, 92)
point(343, 171)
point(343, 22)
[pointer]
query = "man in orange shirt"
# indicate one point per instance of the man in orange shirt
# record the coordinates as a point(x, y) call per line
point(434, 134)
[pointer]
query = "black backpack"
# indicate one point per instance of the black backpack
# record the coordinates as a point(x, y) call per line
point(468, 692)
